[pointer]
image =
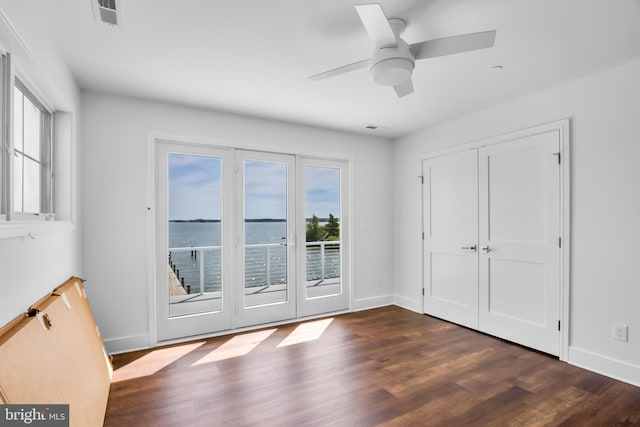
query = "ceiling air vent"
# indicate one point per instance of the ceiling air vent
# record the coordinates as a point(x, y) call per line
point(107, 11)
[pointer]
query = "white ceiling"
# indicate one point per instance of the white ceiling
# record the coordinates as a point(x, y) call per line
point(254, 56)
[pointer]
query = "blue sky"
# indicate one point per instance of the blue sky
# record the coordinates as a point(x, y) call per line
point(265, 189)
point(194, 189)
point(322, 193)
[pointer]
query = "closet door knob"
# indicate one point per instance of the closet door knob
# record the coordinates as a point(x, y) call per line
point(470, 248)
point(485, 249)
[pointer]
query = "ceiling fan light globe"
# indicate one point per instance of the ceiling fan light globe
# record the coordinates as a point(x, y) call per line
point(392, 71)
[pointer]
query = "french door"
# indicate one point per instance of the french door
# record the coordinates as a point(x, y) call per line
point(323, 271)
point(246, 237)
point(193, 240)
point(266, 234)
point(491, 247)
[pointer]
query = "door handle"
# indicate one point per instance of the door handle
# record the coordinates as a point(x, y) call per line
point(485, 249)
point(470, 248)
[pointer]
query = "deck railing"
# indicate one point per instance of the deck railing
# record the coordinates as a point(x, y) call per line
point(265, 264)
point(193, 266)
point(329, 254)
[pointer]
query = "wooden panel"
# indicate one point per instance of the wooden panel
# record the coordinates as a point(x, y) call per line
point(56, 357)
point(7, 333)
point(26, 369)
point(10, 328)
point(74, 292)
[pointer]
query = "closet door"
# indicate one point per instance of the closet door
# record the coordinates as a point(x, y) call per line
point(519, 241)
point(450, 225)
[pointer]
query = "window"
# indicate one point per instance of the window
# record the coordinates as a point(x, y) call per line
point(31, 153)
point(26, 158)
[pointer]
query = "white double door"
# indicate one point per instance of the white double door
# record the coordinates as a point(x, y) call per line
point(492, 239)
point(245, 238)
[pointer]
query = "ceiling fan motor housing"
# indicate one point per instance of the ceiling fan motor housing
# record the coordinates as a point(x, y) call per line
point(392, 66)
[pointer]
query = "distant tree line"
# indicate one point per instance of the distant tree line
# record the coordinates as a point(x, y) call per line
point(317, 232)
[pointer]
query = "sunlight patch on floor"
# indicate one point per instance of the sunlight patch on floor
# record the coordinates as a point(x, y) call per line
point(305, 332)
point(152, 362)
point(237, 346)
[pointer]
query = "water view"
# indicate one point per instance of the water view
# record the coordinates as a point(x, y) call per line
point(265, 256)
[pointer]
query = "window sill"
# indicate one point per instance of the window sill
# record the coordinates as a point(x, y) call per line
point(33, 229)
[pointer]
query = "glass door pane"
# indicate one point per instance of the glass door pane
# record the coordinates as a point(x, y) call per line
point(322, 217)
point(324, 276)
point(195, 251)
point(191, 264)
point(265, 233)
point(267, 237)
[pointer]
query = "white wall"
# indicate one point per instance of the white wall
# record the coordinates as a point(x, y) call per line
point(605, 203)
point(115, 193)
point(31, 268)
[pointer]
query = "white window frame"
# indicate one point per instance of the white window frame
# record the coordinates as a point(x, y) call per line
point(46, 160)
point(59, 128)
point(6, 89)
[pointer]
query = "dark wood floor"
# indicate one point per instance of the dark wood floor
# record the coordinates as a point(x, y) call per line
point(386, 366)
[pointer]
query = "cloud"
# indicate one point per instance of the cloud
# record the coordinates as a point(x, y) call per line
point(265, 186)
point(322, 191)
point(194, 186)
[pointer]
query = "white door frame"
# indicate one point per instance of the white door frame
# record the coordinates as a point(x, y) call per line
point(563, 129)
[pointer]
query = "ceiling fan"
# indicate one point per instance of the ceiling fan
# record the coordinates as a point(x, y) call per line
point(393, 60)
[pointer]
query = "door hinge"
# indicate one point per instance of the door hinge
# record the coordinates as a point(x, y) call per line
point(559, 242)
point(421, 179)
point(558, 325)
point(423, 235)
point(559, 155)
point(422, 291)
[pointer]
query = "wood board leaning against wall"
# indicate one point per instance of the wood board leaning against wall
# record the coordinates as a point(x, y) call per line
point(53, 354)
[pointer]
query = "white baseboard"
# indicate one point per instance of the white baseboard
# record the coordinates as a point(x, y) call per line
point(617, 369)
point(126, 344)
point(408, 303)
point(373, 302)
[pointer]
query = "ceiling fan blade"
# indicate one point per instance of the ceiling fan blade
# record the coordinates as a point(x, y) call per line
point(404, 89)
point(454, 44)
point(377, 25)
point(340, 70)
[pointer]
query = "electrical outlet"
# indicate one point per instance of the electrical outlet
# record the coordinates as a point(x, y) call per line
point(620, 332)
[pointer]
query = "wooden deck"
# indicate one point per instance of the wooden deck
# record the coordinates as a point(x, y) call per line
point(386, 366)
point(175, 287)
